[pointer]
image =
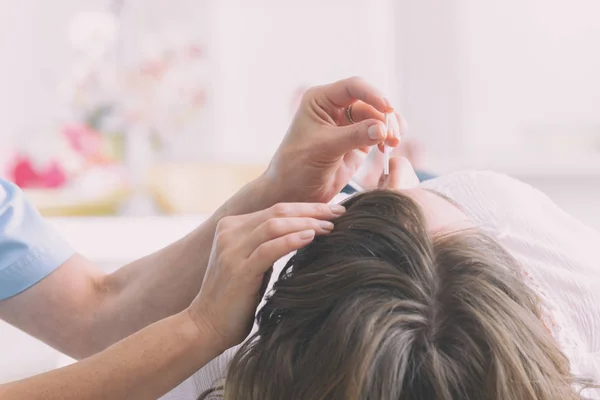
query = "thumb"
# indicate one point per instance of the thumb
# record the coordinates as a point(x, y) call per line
point(356, 136)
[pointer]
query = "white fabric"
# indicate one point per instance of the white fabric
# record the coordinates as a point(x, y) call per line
point(557, 252)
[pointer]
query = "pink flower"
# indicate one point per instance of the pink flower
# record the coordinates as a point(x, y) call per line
point(25, 175)
point(84, 140)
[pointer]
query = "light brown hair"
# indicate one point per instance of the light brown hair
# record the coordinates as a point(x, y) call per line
point(381, 310)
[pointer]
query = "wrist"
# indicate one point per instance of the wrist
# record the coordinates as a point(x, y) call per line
point(257, 195)
point(201, 335)
point(266, 190)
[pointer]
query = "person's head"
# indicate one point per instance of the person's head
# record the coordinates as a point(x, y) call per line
point(389, 306)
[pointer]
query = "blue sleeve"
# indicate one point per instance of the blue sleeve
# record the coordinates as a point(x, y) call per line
point(30, 249)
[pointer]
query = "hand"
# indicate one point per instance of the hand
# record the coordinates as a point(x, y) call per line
point(371, 171)
point(244, 249)
point(402, 175)
point(322, 149)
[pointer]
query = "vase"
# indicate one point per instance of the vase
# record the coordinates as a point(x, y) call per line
point(139, 158)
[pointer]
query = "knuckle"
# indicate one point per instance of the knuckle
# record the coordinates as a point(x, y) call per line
point(222, 240)
point(310, 93)
point(224, 223)
point(290, 241)
point(355, 80)
point(282, 209)
point(274, 226)
point(312, 223)
point(321, 209)
point(263, 252)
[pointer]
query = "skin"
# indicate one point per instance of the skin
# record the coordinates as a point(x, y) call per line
point(190, 301)
point(440, 214)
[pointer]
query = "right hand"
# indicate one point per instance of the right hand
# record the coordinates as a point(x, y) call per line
point(323, 148)
point(244, 249)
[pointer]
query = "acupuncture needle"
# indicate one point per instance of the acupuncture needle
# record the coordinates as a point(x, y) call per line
point(386, 150)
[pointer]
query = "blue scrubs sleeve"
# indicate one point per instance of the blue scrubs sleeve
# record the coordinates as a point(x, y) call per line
point(30, 249)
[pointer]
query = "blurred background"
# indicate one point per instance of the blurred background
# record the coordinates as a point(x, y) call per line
point(124, 117)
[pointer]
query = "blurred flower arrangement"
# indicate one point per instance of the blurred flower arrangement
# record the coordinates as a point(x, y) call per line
point(156, 96)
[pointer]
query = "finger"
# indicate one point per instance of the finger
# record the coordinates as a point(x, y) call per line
point(345, 92)
point(392, 181)
point(353, 137)
point(279, 227)
point(319, 211)
point(401, 175)
point(230, 222)
point(265, 255)
point(397, 128)
point(359, 111)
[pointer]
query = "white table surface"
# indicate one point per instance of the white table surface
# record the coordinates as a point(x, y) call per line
point(118, 239)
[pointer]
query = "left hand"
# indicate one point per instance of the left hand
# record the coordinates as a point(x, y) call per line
point(323, 149)
point(244, 249)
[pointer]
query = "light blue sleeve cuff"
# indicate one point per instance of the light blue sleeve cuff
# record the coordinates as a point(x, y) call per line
point(35, 265)
point(30, 249)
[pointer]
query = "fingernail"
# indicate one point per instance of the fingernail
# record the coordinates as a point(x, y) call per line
point(387, 102)
point(306, 235)
point(337, 209)
point(375, 132)
point(326, 225)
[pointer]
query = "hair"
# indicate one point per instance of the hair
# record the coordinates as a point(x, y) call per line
point(380, 309)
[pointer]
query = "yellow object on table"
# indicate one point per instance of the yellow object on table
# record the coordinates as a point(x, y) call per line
point(66, 203)
point(198, 188)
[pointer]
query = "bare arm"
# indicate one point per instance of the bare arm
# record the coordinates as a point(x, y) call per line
point(150, 362)
point(145, 365)
point(80, 311)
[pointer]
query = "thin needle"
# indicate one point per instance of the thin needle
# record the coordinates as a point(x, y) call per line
point(386, 153)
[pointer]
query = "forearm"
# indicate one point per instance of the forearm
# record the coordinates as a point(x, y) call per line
point(143, 366)
point(165, 282)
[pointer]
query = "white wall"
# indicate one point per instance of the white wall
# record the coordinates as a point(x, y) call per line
point(503, 82)
point(264, 50)
point(511, 86)
point(261, 52)
point(34, 55)
point(533, 71)
point(432, 58)
point(477, 80)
